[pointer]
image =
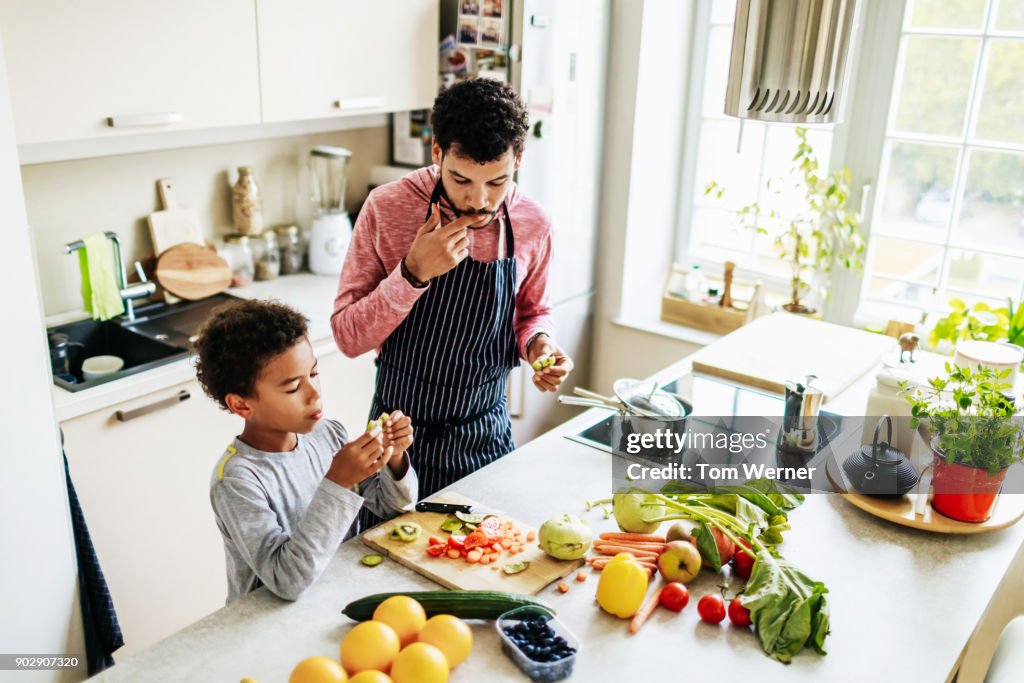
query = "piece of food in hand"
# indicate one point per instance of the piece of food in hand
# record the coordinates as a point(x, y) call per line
point(543, 362)
point(383, 419)
point(565, 537)
point(371, 425)
point(680, 562)
point(406, 532)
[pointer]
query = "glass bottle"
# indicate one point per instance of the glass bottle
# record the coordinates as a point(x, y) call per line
point(236, 251)
point(266, 256)
point(290, 245)
point(246, 203)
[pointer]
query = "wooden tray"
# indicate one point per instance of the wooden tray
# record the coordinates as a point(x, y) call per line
point(459, 574)
point(1008, 511)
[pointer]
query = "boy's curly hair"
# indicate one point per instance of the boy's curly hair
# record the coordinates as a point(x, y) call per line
point(482, 117)
point(238, 340)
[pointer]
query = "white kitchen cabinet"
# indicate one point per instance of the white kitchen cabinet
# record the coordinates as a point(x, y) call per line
point(325, 58)
point(144, 489)
point(347, 385)
point(151, 66)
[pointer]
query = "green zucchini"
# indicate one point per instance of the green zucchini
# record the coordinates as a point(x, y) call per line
point(462, 604)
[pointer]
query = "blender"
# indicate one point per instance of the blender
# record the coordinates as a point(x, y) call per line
point(331, 231)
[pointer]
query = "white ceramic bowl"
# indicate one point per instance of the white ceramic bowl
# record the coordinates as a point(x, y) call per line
point(999, 356)
point(98, 366)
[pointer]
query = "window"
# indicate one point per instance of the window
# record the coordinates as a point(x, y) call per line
point(740, 157)
point(949, 218)
point(947, 215)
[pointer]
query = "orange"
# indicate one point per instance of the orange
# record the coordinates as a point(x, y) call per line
point(420, 663)
point(317, 670)
point(370, 676)
point(403, 614)
point(451, 635)
point(369, 645)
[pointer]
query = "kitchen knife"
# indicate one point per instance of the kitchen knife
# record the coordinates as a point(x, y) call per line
point(452, 508)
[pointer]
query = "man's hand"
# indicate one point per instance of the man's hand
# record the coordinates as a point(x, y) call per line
point(359, 459)
point(436, 251)
point(548, 378)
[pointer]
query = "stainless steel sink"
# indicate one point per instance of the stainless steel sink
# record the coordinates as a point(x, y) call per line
point(161, 333)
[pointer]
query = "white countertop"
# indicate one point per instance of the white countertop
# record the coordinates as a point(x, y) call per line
point(902, 601)
point(311, 295)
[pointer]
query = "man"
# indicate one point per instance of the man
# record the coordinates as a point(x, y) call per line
point(452, 303)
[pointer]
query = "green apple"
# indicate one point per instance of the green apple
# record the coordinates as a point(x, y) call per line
point(679, 562)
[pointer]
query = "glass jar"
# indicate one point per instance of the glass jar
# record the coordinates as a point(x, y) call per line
point(246, 203)
point(266, 256)
point(236, 251)
point(289, 242)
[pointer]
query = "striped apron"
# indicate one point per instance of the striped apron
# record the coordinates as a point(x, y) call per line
point(447, 367)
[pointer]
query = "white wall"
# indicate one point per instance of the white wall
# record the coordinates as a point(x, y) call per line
point(67, 200)
point(643, 139)
point(38, 574)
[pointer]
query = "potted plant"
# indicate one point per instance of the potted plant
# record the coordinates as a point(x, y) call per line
point(975, 438)
point(979, 322)
point(824, 234)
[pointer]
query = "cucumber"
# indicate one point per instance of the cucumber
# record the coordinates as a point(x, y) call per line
point(462, 604)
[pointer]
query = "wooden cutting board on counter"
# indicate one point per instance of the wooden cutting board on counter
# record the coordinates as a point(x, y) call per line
point(771, 350)
point(174, 224)
point(459, 574)
point(192, 271)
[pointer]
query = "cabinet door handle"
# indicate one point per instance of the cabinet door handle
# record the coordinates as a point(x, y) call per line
point(125, 415)
point(354, 103)
point(159, 118)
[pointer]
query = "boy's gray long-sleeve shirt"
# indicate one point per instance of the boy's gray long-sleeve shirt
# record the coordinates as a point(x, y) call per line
point(282, 521)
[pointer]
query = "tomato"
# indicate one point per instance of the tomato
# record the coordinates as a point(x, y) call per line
point(476, 539)
point(711, 608)
point(738, 614)
point(434, 540)
point(743, 561)
point(457, 542)
point(436, 550)
point(674, 596)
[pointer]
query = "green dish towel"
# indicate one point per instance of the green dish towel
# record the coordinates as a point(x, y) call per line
point(100, 292)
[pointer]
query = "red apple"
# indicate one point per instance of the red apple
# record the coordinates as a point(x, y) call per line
point(679, 562)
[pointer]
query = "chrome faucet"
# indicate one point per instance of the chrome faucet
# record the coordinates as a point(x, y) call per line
point(128, 292)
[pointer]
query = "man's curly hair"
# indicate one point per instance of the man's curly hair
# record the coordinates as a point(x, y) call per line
point(482, 118)
point(237, 342)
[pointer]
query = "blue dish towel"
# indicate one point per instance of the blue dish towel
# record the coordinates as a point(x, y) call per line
point(102, 632)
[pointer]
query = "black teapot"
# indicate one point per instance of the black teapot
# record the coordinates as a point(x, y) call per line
point(881, 469)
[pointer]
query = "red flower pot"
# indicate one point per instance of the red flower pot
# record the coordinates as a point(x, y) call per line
point(964, 493)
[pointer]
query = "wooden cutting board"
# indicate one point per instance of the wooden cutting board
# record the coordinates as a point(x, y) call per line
point(174, 224)
point(769, 351)
point(459, 574)
point(192, 271)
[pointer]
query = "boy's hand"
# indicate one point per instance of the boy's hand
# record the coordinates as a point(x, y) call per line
point(359, 459)
point(398, 435)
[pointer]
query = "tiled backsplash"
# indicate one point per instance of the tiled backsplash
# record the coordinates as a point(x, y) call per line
point(70, 199)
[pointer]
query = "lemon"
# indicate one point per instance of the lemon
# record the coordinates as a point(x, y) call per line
point(420, 663)
point(451, 635)
point(317, 670)
point(369, 645)
point(370, 676)
point(404, 615)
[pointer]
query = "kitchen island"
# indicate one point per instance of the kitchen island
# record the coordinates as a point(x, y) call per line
point(903, 602)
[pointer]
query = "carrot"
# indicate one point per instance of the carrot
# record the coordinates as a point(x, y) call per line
point(506, 543)
point(515, 548)
point(474, 555)
point(563, 587)
point(645, 611)
point(622, 536)
point(454, 554)
point(485, 559)
point(650, 547)
point(531, 535)
point(616, 549)
point(581, 577)
point(602, 562)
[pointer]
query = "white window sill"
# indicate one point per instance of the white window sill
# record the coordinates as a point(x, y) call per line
point(666, 329)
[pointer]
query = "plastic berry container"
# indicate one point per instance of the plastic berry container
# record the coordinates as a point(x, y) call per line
point(527, 623)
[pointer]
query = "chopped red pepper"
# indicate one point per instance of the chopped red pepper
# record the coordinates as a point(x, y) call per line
point(436, 550)
point(457, 543)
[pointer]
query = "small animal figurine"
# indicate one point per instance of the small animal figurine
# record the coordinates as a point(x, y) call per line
point(726, 300)
point(908, 343)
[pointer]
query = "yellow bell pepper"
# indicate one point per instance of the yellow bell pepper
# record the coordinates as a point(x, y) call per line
point(622, 586)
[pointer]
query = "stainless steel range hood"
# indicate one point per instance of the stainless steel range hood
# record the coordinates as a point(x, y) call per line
point(789, 59)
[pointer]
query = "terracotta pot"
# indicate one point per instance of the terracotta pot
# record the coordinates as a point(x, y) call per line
point(964, 493)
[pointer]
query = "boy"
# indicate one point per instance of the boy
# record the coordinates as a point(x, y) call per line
point(289, 488)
